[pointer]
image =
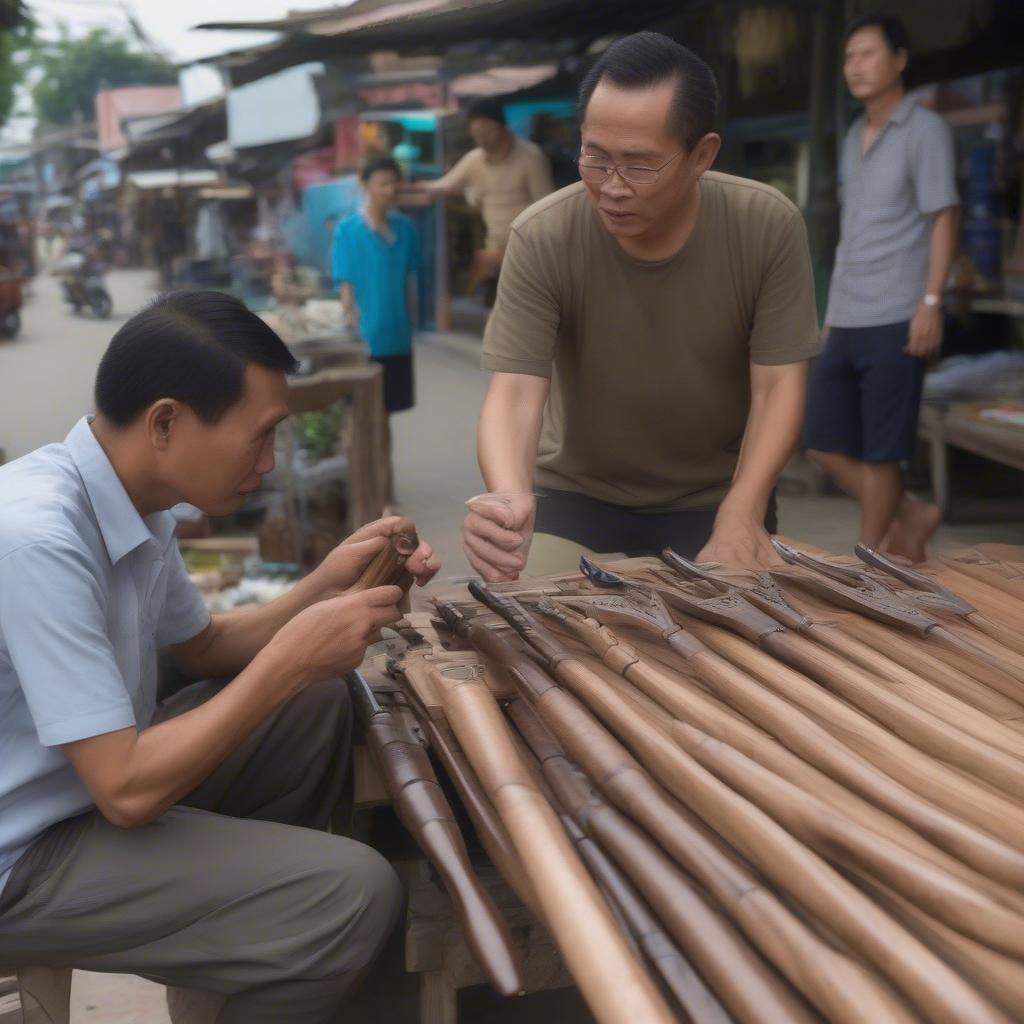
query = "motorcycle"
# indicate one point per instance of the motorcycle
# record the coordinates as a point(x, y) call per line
point(84, 285)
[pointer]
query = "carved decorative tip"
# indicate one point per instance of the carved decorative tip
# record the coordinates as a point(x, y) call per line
point(672, 558)
point(788, 554)
point(597, 575)
point(499, 603)
point(452, 617)
point(406, 543)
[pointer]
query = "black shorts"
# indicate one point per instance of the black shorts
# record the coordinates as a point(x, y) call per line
point(399, 389)
point(602, 527)
point(864, 394)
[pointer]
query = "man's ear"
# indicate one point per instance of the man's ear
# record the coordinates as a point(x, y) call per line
point(705, 152)
point(162, 417)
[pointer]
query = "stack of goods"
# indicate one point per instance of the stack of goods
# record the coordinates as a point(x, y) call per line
point(788, 797)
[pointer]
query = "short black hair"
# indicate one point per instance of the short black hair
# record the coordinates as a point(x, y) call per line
point(192, 346)
point(486, 109)
point(379, 162)
point(647, 59)
point(890, 25)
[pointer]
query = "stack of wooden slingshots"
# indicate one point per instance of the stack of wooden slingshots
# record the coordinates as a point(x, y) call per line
point(788, 797)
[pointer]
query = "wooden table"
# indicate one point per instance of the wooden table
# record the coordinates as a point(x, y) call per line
point(363, 385)
point(961, 426)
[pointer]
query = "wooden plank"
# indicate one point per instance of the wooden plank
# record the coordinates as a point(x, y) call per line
point(439, 999)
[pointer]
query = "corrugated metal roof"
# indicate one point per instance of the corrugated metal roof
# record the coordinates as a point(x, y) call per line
point(435, 26)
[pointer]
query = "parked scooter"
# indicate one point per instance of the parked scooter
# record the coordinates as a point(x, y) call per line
point(83, 283)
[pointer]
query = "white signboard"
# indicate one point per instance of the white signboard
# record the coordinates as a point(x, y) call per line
point(277, 108)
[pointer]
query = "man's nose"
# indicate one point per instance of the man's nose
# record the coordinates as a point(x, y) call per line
point(266, 460)
point(615, 187)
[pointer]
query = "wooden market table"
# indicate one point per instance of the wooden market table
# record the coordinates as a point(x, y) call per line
point(361, 384)
point(960, 425)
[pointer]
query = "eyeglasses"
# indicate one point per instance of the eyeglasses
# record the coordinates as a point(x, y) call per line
point(597, 169)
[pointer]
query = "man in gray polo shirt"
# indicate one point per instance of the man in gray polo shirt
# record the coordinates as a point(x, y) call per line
point(900, 215)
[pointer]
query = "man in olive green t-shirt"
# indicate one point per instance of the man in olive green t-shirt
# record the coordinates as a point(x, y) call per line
point(650, 340)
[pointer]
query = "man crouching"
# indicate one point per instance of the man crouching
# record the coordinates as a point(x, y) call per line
point(183, 840)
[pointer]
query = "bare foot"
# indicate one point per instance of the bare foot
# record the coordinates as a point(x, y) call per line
point(912, 529)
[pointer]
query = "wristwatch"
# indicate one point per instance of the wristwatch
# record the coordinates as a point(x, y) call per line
point(932, 300)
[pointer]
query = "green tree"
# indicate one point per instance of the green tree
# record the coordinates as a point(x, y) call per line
point(73, 70)
point(15, 36)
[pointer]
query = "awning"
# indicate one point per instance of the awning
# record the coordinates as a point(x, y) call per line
point(501, 81)
point(173, 178)
point(174, 124)
point(410, 27)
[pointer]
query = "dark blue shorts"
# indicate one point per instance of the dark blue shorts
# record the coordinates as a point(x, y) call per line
point(864, 394)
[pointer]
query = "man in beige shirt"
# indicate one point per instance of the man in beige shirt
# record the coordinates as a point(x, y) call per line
point(650, 339)
point(502, 176)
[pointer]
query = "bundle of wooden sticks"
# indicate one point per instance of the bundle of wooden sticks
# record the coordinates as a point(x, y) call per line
point(790, 797)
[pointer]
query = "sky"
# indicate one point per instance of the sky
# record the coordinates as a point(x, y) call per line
point(169, 25)
point(169, 22)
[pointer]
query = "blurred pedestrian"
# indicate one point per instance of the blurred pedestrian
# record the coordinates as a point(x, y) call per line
point(900, 216)
point(375, 261)
point(502, 176)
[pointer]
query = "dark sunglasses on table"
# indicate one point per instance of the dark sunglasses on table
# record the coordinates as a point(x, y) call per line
point(599, 169)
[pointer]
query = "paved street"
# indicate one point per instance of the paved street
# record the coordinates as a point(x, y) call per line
point(46, 372)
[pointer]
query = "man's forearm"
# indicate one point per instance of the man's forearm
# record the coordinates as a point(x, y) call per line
point(233, 639)
point(942, 248)
point(773, 428)
point(509, 432)
point(348, 303)
point(138, 775)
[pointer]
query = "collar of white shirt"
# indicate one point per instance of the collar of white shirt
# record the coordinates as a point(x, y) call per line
point(122, 527)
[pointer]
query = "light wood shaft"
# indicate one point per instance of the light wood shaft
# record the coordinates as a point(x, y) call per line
point(615, 986)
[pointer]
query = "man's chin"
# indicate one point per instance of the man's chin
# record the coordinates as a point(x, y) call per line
point(224, 506)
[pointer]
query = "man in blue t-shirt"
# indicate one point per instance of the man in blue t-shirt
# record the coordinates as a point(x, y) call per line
point(374, 259)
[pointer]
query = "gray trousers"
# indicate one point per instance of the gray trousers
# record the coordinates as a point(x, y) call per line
point(236, 891)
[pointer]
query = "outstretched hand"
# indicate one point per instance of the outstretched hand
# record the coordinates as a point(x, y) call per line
point(740, 540)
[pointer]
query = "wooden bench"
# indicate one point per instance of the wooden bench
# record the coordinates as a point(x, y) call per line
point(960, 426)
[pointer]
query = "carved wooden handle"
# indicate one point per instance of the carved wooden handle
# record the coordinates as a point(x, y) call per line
point(423, 809)
point(388, 566)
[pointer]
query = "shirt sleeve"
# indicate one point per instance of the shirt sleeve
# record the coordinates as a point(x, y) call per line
point(53, 625)
point(184, 615)
point(539, 181)
point(933, 166)
point(457, 178)
point(785, 327)
point(341, 257)
point(523, 326)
